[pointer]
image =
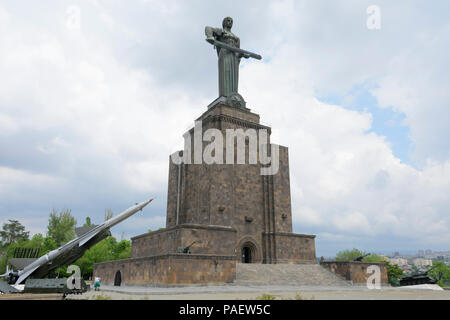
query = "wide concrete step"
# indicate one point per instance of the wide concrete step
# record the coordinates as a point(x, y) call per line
point(287, 274)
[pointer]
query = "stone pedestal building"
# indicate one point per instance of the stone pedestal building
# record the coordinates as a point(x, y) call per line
point(224, 213)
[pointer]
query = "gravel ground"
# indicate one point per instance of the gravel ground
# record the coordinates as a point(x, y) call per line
point(231, 292)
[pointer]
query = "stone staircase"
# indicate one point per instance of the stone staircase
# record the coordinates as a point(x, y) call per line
point(287, 274)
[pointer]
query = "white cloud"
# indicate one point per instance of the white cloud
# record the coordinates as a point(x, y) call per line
point(8, 125)
point(91, 115)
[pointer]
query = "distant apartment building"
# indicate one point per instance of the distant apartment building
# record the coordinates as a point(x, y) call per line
point(421, 253)
point(419, 262)
point(398, 261)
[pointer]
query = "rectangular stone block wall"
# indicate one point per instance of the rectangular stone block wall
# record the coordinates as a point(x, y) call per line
point(134, 271)
point(282, 193)
point(173, 193)
point(169, 269)
point(186, 269)
point(218, 240)
point(356, 271)
point(154, 243)
point(294, 248)
point(225, 110)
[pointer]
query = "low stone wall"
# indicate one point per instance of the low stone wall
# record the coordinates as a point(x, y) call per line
point(294, 248)
point(217, 240)
point(356, 271)
point(169, 269)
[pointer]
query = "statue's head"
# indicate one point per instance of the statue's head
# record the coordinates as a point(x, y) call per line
point(227, 23)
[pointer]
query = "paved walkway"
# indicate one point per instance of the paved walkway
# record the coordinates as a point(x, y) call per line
point(234, 292)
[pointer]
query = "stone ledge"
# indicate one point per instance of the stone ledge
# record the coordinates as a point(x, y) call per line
point(231, 119)
point(223, 106)
point(187, 226)
point(290, 234)
point(353, 262)
point(166, 256)
point(295, 261)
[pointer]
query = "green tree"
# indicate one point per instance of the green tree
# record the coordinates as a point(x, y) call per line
point(61, 226)
point(394, 273)
point(106, 250)
point(46, 244)
point(349, 255)
point(37, 241)
point(123, 250)
point(108, 214)
point(440, 272)
point(88, 222)
point(13, 231)
point(414, 269)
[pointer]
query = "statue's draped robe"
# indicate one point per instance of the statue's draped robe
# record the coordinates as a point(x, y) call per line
point(228, 63)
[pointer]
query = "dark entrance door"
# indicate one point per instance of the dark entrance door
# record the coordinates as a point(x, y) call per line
point(118, 279)
point(246, 255)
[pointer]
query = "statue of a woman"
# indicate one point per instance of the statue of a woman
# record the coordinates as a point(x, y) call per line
point(228, 60)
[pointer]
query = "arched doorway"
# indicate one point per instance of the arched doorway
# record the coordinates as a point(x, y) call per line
point(246, 255)
point(118, 279)
point(247, 250)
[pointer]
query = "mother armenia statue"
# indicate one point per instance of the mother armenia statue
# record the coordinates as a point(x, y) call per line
point(230, 54)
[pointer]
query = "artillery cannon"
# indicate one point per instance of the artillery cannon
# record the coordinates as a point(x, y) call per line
point(360, 258)
point(186, 249)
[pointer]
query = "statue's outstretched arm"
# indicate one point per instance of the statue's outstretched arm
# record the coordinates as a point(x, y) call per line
point(240, 55)
point(211, 33)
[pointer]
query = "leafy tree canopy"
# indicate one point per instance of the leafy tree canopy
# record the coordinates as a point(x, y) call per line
point(61, 226)
point(440, 272)
point(12, 232)
point(108, 214)
point(46, 244)
point(349, 255)
point(106, 250)
point(88, 222)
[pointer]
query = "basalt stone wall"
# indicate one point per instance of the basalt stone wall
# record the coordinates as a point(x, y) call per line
point(356, 271)
point(154, 243)
point(218, 240)
point(293, 248)
point(235, 195)
point(282, 193)
point(169, 269)
point(225, 110)
point(174, 192)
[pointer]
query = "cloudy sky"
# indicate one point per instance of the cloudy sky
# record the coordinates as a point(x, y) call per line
point(95, 95)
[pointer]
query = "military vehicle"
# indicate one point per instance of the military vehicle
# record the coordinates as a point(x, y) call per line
point(53, 286)
point(39, 268)
point(418, 278)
